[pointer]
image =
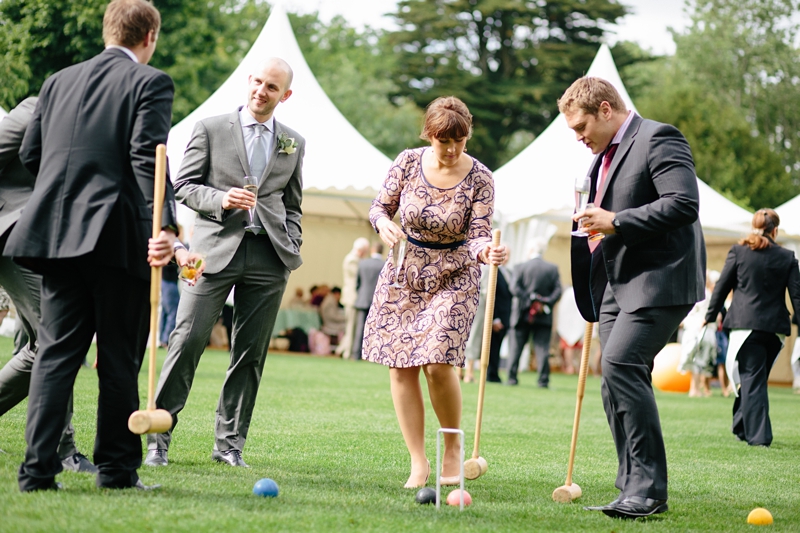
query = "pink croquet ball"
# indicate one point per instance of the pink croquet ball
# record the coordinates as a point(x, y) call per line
point(454, 498)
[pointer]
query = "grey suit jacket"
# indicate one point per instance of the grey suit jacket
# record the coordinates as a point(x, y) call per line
point(369, 270)
point(216, 161)
point(16, 182)
point(657, 258)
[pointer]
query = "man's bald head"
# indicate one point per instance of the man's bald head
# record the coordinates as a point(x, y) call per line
point(268, 85)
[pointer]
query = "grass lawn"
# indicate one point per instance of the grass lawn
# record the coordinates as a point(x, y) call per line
point(325, 431)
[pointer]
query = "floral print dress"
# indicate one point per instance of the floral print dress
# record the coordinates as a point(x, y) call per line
point(428, 319)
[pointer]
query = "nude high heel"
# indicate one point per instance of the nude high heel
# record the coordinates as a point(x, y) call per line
point(407, 486)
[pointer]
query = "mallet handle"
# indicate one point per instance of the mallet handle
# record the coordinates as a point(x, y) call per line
point(155, 272)
point(486, 344)
point(587, 344)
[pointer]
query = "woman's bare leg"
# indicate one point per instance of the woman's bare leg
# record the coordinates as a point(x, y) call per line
point(407, 398)
point(445, 393)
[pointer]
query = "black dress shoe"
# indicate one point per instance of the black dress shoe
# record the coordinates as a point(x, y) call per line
point(141, 486)
point(636, 507)
point(603, 507)
point(230, 457)
point(512, 381)
point(78, 462)
point(53, 486)
point(156, 458)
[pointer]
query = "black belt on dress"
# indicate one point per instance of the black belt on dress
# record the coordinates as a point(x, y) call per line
point(435, 245)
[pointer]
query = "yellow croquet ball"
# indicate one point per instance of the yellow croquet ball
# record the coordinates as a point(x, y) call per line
point(759, 517)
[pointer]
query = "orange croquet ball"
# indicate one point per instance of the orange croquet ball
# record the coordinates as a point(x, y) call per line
point(665, 370)
point(759, 517)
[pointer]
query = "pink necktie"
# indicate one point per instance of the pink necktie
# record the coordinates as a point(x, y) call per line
point(603, 175)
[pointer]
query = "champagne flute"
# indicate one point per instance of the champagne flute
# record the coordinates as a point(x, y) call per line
point(583, 186)
point(398, 254)
point(251, 185)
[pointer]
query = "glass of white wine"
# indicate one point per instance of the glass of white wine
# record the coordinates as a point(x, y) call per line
point(251, 185)
point(583, 186)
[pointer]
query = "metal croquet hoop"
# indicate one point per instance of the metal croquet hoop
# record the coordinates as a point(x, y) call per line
point(460, 433)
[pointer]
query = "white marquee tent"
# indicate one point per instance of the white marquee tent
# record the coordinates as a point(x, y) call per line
point(342, 171)
point(790, 216)
point(2, 113)
point(537, 185)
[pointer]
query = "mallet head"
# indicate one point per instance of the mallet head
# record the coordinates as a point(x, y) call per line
point(155, 421)
point(567, 493)
point(475, 468)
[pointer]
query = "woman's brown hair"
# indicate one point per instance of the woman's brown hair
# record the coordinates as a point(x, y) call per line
point(764, 223)
point(447, 117)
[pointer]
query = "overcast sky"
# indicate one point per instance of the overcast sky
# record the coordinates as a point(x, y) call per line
point(646, 25)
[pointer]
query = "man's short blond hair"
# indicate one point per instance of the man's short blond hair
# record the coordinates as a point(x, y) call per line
point(127, 22)
point(587, 93)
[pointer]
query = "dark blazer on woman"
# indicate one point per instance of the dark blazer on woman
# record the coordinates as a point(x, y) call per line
point(759, 279)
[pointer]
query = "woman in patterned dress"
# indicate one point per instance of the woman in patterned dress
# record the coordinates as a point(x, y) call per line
point(445, 199)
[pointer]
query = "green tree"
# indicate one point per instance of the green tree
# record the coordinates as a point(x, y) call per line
point(199, 45)
point(356, 74)
point(727, 155)
point(745, 53)
point(509, 60)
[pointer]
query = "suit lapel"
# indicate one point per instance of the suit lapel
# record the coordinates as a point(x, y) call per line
point(238, 141)
point(619, 155)
point(594, 175)
point(274, 152)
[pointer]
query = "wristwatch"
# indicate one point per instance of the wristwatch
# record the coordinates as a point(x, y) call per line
point(177, 245)
point(616, 224)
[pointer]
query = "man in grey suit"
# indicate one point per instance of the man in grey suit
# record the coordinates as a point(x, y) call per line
point(22, 284)
point(537, 284)
point(641, 279)
point(369, 270)
point(222, 151)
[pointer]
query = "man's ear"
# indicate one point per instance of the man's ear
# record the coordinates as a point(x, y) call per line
point(286, 95)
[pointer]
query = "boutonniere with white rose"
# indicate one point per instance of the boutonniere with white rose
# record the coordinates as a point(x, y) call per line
point(286, 144)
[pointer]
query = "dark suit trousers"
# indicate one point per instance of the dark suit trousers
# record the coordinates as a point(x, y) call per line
point(358, 335)
point(24, 286)
point(81, 298)
point(541, 346)
point(260, 279)
point(630, 342)
point(751, 408)
point(494, 355)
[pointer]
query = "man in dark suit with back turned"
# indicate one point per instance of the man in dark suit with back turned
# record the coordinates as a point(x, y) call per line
point(536, 282)
point(222, 151)
point(369, 270)
point(87, 227)
point(641, 279)
point(22, 284)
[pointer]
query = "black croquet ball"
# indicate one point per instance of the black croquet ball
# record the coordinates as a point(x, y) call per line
point(426, 495)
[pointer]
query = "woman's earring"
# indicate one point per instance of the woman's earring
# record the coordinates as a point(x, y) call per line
point(465, 149)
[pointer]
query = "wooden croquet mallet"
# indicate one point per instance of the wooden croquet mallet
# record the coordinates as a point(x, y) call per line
point(476, 466)
point(154, 420)
point(570, 491)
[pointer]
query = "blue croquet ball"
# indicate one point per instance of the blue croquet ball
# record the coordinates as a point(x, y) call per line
point(426, 495)
point(266, 488)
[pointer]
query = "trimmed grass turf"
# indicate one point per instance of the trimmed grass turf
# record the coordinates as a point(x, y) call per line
point(325, 431)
